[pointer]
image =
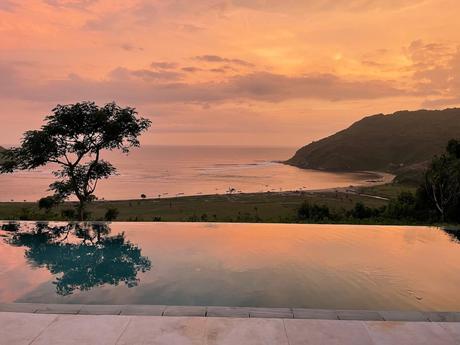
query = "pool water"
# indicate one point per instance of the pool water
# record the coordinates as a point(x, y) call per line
point(259, 265)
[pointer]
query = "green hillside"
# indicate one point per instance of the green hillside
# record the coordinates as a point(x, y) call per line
point(400, 143)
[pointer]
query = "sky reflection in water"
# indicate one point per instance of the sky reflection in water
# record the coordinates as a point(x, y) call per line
point(266, 265)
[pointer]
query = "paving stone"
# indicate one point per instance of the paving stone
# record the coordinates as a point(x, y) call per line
point(20, 307)
point(233, 331)
point(22, 328)
point(280, 313)
point(89, 309)
point(157, 330)
point(83, 329)
point(404, 316)
point(152, 310)
point(327, 332)
point(363, 315)
point(59, 309)
point(227, 312)
point(184, 311)
point(453, 328)
point(408, 333)
point(321, 314)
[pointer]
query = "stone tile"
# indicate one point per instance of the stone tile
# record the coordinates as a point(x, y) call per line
point(232, 331)
point(280, 313)
point(59, 309)
point(327, 332)
point(20, 307)
point(408, 333)
point(152, 310)
point(363, 315)
point(404, 316)
point(89, 309)
point(453, 328)
point(156, 330)
point(227, 312)
point(22, 328)
point(184, 311)
point(321, 314)
point(83, 329)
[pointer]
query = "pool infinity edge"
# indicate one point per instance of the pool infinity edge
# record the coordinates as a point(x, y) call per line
point(238, 312)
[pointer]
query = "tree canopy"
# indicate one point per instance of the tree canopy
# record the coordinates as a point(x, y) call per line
point(73, 138)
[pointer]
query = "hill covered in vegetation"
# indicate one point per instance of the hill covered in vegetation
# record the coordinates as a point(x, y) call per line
point(402, 143)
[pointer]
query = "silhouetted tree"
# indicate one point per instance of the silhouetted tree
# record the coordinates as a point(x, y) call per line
point(47, 203)
point(442, 180)
point(81, 256)
point(73, 138)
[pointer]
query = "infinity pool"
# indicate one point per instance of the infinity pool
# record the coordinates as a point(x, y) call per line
point(260, 265)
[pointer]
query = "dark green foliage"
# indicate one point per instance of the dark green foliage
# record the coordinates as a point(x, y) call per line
point(442, 182)
point(111, 214)
point(68, 214)
point(313, 212)
point(47, 203)
point(73, 138)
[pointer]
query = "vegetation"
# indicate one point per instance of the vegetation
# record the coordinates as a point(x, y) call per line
point(73, 138)
point(435, 200)
point(256, 207)
point(402, 143)
point(2, 150)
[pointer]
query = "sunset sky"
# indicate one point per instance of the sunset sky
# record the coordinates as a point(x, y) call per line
point(229, 72)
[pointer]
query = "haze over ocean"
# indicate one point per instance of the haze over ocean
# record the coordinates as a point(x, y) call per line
point(188, 170)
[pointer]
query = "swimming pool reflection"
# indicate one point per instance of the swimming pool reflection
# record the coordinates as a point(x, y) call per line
point(81, 256)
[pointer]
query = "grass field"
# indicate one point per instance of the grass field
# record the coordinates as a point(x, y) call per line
point(257, 207)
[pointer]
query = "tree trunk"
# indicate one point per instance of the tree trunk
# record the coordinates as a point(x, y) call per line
point(81, 210)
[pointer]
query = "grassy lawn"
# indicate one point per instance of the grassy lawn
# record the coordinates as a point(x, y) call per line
point(257, 207)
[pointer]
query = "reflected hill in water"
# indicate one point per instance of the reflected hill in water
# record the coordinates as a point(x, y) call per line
point(81, 256)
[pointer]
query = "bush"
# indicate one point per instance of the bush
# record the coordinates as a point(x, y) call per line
point(313, 212)
point(111, 214)
point(68, 214)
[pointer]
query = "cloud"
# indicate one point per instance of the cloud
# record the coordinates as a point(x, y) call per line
point(77, 4)
point(8, 5)
point(436, 69)
point(122, 73)
point(164, 65)
point(325, 5)
point(191, 69)
point(219, 59)
point(130, 47)
point(147, 86)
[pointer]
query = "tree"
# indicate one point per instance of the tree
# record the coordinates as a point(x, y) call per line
point(73, 138)
point(47, 203)
point(442, 179)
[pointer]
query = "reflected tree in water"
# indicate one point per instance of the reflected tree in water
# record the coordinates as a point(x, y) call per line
point(81, 256)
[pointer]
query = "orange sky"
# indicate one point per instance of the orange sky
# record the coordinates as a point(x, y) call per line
point(229, 72)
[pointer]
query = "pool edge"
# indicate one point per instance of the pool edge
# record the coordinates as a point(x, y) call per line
point(238, 312)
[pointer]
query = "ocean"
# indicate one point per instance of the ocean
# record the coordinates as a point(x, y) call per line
point(170, 171)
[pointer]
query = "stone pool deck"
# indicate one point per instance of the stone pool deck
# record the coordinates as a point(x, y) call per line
point(50, 329)
point(34, 324)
